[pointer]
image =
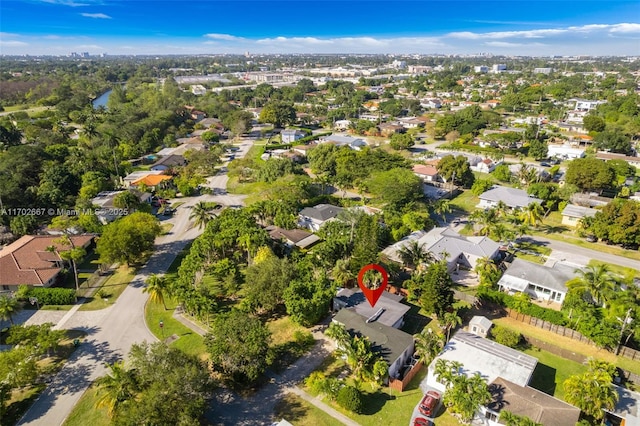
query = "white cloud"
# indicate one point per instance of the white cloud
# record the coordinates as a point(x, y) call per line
point(70, 3)
point(626, 28)
point(225, 37)
point(509, 44)
point(590, 29)
point(96, 15)
point(13, 43)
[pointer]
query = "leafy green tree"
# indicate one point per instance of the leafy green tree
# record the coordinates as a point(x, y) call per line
point(428, 345)
point(126, 200)
point(589, 174)
point(266, 282)
point(128, 239)
point(592, 391)
point(23, 225)
point(157, 288)
point(614, 141)
point(368, 240)
point(350, 399)
point(618, 222)
point(8, 308)
point(456, 169)
point(238, 346)
point(593, 123)
point(436, 287)
point(502, 173)
point(395, 187)
point(506, 336)
point(401, 141)
point(278, 113)
point(538, 149)
point(117, 388)
point(307, 301)
point(480, 186)
point(39, 338)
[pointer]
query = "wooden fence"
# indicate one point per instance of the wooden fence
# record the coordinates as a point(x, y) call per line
point(567, 332)
point(400, 385)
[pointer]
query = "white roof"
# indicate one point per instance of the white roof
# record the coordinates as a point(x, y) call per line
point(512, 197)
point(490, 359)
point(142, 173)
point(521, 273)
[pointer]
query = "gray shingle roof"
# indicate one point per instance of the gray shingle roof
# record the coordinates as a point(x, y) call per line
point(321, 212)
point(389, 342)
point(522, 272)
point(573, 210)
point(512, 197)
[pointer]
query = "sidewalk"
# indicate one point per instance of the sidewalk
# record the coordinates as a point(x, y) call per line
point(321, 405)
point(188, 323)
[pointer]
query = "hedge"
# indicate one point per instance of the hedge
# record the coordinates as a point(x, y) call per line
point(503, 299)
point(53, 296)
point(350, 399)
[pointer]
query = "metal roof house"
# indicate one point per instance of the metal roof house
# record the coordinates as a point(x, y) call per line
point(539, 281)
point(512, 197)
point(572, 214)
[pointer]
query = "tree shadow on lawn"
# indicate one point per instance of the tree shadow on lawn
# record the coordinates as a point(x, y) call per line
point(373, 402)
point(544, 378)
point(290, 408)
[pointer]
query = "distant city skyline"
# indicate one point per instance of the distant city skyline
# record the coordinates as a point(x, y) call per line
point(517, 27)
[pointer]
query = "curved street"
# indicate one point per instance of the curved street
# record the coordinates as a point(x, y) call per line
point(112, 331)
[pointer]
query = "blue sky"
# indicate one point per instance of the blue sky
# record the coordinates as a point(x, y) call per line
point(513, 27)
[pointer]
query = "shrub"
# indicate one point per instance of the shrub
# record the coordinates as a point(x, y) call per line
point(53, 296)
point(503, 299)
point(304, 339)
point(350, 399)
point(505, 336)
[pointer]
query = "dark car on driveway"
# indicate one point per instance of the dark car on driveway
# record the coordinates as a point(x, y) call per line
point(429, 403)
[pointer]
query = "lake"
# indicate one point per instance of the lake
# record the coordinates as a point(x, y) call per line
point(102, 100)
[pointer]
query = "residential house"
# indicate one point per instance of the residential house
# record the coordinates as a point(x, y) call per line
point(314, 217)
point(446, 244)
point(426, 172)
point(606, 156)
point(585, 105)
point(292, 237)
point(151, 181)
point(30, 260)
point(411, 122)
point(395, 346)
point(485, 166)
point(431, 103)
point(564, 151)
point(107, 212)
point(573, 214)
point(627, 409)
point(480, 326)
point(169, 162)
point(512, 197)
point(342, 124)
point(528, 402)
point(388, 129)
point(136, 176)
point(538, 281)
point(291, 135)
point(304, 149)
point(341, 140)
point(388, 310)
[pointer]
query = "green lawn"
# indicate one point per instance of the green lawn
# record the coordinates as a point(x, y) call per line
point(465, 202)
point(112, 288)
point(301, 413)
point(552, 371)
point(382, 406)
point(86, 413)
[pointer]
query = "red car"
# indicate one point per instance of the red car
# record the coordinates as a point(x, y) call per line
point(429, 403)
point(421, 421)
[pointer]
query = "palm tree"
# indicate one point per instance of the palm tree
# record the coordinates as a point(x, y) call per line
point(526, 174)
point(413, 254)
point(487, 219)
point(442, 207)
point(446, 371)
point(487, 271)
point(596, 280)
point(72, 255)
point(116, 388)
point(341, 273)
point(428, 345)
point(449, 321)
point(201, 214)
point(511, 419)
point(532, 214)
point(156, 287)
point(592, 391)
point(8, 307)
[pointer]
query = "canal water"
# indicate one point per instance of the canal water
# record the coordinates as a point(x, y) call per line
point(102, 100)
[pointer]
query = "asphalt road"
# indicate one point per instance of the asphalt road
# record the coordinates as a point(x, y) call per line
point(110, 336)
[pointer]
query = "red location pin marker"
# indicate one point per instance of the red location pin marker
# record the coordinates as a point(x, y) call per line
point(373, 295)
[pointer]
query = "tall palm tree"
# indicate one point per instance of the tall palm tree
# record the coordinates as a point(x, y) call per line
point(157, 288)
point(116, 388)
point(532, 214)
point(526, 174)
point(596, 280)
point(413, 254)
point(450, 321)
point(72, 255)
point(442, 207)
point(201, 214)
point(8, 308)
point(341, 273)
point(428, 345)
point(446, 371)
point(487, 219)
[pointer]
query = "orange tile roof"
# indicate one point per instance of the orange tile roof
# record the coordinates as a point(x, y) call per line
point(151, 180)
point(425, 170)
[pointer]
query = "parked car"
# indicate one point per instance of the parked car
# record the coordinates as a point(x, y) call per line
point(429, 403)
point(421, 421)
point(592, 238)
